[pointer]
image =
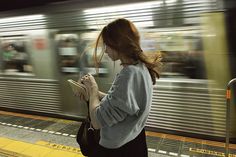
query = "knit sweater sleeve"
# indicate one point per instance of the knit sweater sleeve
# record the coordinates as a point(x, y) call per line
point(120, 101)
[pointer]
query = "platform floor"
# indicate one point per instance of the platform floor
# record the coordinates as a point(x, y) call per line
point(23, 135)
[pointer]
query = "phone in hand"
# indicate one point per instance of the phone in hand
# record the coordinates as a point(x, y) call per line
point(79, 89)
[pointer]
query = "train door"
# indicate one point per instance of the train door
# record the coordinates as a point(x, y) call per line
point(74, 59)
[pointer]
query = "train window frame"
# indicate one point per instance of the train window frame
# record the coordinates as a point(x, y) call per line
point(21, 64)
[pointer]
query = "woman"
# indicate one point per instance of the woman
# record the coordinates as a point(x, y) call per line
point(122, 112)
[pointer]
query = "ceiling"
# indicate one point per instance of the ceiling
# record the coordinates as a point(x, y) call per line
point(19, 4)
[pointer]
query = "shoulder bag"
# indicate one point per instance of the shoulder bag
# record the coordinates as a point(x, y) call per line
point(87, 137)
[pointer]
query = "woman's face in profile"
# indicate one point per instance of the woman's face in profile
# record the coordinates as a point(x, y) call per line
point(113, 54)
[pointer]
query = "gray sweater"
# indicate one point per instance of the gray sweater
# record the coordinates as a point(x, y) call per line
point(123, 112)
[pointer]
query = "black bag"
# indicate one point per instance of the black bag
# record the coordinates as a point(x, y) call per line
point(87, 137)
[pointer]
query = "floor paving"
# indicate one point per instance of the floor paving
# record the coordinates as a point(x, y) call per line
point(28, 135)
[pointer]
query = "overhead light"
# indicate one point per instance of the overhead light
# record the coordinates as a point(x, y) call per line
point(170, 1)
point(144, 5)
point(143, 14)
point(22, 18)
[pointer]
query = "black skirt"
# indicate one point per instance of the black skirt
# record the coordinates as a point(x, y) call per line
point(137, 147)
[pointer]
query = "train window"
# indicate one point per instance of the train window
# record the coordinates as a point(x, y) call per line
point(181, 50)
point(87, 45)
point(14, 56)
point(76, 53)
point(68, 53)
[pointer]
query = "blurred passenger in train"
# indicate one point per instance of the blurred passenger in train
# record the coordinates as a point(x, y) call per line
point(121, 114)
point(21, 57)
point(14, 57)
point(9, 54)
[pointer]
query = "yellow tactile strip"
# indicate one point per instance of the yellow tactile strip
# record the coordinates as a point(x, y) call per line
point(188, 139)
point(14, 148)
point(58, 146)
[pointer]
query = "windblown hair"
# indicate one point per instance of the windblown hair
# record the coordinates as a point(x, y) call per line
point(122, 36)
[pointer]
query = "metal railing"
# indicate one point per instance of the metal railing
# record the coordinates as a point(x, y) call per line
point(227, 129)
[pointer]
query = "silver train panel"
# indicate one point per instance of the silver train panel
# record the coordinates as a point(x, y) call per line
point(191, 106)
point(39, 95)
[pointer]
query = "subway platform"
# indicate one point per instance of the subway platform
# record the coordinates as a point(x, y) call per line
point(23, 135)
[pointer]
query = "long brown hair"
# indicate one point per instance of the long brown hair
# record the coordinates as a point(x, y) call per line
point(122, 36)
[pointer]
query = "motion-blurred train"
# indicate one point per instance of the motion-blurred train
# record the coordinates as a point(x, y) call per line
point(42, 47)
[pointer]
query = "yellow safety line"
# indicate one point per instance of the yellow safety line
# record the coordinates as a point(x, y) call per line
point(59, 146)
point(209, 152)
point(14, 148)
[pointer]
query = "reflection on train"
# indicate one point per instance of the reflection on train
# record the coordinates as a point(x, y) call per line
point(42, 49)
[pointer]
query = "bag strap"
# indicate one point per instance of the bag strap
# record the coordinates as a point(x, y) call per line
point(88, 111)
point(89, 120)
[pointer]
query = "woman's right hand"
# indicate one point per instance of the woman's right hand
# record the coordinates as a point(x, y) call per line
point(90, 83)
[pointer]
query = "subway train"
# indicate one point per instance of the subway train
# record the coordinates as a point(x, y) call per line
point(42, 47)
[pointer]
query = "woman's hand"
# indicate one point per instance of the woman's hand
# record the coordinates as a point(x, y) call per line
point(90, 83)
